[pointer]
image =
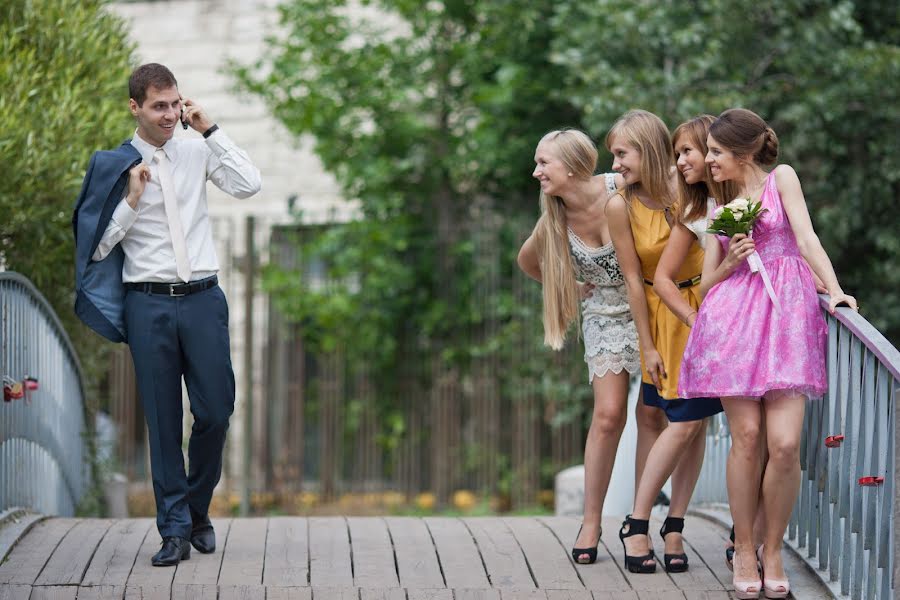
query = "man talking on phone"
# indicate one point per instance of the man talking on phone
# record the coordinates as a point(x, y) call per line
point(146, 275)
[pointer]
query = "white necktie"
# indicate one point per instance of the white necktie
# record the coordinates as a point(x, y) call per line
point(182, 263)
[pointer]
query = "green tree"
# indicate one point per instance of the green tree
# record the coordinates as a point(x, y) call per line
point(823, 73)
point(64, 67)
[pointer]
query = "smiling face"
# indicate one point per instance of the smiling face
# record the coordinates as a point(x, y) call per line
point(626, 160)
point(158, 115)
point(549, 169)
point(690, 160)
point(723, 163)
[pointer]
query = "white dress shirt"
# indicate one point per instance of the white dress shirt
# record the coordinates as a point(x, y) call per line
point(699, 226)
point(144, 231)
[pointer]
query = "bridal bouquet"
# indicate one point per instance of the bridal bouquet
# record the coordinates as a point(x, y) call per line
point(738, 216)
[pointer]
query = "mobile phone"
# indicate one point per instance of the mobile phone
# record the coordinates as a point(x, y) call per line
point(183, 122)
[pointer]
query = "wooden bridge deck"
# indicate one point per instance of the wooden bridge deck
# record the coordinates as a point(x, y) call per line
point(360, 558)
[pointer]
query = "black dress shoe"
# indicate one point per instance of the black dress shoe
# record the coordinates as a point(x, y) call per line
point(174, 550)
point(203, 536)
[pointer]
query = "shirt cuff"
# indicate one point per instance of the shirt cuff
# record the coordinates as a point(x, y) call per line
point(124, 215)
point(219, 143)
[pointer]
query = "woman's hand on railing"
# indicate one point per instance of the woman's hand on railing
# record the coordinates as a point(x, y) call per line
point(841, 298)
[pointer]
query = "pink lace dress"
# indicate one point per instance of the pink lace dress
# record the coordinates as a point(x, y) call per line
point(741, 345)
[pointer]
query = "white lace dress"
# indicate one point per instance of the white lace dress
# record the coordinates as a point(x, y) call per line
point(610, 337)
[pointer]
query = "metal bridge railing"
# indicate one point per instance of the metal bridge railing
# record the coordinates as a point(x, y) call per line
point(843, 522)
point(44, 462)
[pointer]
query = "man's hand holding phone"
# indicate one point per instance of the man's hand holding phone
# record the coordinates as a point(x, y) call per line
point(193, 114)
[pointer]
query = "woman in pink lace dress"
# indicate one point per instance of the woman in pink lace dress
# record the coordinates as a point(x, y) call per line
point(762, 355)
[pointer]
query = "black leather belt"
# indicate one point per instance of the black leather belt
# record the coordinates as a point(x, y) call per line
point(174, 289)
point(681, 284)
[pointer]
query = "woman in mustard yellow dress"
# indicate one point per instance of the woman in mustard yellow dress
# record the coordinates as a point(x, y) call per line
point(640, 220)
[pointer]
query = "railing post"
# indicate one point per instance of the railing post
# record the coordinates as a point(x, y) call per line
point(896, 474)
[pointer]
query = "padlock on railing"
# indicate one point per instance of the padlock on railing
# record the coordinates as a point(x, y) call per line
point(30, 383)
point(12, 390)
point(871, 481)
point(834, 441)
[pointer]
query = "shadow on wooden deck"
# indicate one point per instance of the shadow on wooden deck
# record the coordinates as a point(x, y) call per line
point(361, 558)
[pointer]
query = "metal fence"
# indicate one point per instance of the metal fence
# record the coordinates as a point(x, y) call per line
point(43, 452)
point(843, 521)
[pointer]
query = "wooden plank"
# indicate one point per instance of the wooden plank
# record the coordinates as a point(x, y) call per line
point(203, 569)
point(335, 593)
point(604, 575)
point(706, 595)
point(245, 549)
point(15, 592)
point(54, 592)
point(243, 592)
point(708, 540)
point(382, 594)
point(660, 594)
point(516, 594)
point(471, 594)
point(14, 526)
point(629, 595)
point(546, 557)
point(288, 593)
point(28, 557)
point(70, 559)
point(698, 577)
point(287, 553)
point(423, 594)
point(417, 561)
point(372, 553)
point(457, 553)
point(568, 595)
point(145, 580)
point(102, 592)
point(190, 591)
point(329, 554)
point(503, 559)
point(116, 554)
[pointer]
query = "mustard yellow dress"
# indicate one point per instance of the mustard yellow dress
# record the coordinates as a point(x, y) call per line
point(650, 230)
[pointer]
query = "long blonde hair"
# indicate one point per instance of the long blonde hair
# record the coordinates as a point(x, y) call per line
point(646, 133)
point(692, 197)
point(561, 299)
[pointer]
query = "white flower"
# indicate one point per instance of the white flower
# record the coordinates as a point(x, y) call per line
point(739, 204)
point(738, 215)
point(718, 212)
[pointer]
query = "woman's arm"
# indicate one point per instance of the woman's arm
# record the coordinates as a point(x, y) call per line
point(670, 262)
point(810, 247)
point(630, 263)
point(528, 259)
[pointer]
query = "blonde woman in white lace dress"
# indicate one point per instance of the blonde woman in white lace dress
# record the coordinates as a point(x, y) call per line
point(570, 252)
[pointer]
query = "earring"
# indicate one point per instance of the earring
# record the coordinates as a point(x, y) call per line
point(570, 173)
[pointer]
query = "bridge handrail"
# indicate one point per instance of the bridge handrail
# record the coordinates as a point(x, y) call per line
point(44, 462)
point(843, 521)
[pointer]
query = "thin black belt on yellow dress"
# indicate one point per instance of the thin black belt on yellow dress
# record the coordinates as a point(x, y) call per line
point(680, 284)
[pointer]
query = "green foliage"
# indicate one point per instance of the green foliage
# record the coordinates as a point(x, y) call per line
point(64, 67)
point(428, 114)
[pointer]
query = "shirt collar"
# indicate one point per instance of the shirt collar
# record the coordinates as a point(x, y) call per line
point(147, 150)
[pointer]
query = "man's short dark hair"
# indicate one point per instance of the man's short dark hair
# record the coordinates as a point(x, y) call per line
point(147, 76)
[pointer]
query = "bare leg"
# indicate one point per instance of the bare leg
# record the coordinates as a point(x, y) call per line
point(743, 479)
point(784, 422)
point(651, 422)
point(665, 455)
point(684, 480)
point(607, 423)
point(759, 524)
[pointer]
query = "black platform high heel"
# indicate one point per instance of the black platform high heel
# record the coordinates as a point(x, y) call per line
point(673, 525)
point(729, 552)
point(635, 564)
point(591, 552)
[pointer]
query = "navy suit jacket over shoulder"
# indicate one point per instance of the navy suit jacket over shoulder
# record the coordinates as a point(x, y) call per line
point(99, 291)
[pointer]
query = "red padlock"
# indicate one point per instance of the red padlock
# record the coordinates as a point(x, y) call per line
point(31, 383)
point(871, 481)
point(834, 441)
